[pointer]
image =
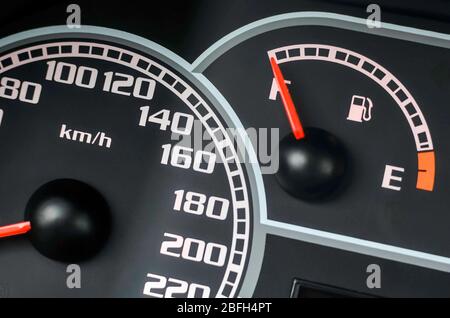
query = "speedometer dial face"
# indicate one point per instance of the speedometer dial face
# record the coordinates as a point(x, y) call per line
point(102, 130)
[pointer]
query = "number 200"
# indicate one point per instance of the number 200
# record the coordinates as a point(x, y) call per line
point(194, 250)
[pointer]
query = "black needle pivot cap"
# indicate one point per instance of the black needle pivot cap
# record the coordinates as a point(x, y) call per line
point(313, 167)
point(70, 220)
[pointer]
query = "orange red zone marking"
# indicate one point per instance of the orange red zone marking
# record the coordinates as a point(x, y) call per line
point(427, 171)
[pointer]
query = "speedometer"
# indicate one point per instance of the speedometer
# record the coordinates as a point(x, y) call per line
point(78, 108)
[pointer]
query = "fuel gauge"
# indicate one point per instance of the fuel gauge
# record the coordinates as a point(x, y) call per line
point(317, 168)
point(363, 140)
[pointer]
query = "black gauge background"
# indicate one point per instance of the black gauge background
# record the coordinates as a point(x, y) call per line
point(188, 28)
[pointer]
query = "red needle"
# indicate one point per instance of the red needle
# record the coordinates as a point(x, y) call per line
point(294, 120)
point(15, 229)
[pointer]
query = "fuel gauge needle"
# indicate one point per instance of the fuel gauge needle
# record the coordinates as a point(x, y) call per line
point(291, 112)
point(15, 229)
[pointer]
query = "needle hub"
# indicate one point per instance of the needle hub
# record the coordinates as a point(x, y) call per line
point(311, 168)
point(70, 220)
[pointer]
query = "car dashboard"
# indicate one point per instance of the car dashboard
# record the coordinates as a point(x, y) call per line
point(204, 149)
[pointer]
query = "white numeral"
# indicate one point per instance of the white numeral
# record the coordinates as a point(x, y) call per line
point(124, 84)
point(181, 157)
point(160, 286)
point(68, 73)
point(162, 118)
point(194, 203)
point(194, 250)
point(27, 92)
point(118, 86)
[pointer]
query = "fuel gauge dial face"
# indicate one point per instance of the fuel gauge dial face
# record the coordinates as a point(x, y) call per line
point(362, 131)
point(360, 107)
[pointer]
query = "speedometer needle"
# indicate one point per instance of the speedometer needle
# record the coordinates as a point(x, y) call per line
point(15, 229)
point(291, 112)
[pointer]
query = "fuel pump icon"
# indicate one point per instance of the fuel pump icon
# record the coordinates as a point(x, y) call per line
point(360, 109)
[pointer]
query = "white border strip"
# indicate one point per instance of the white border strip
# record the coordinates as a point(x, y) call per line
point(320, 19)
